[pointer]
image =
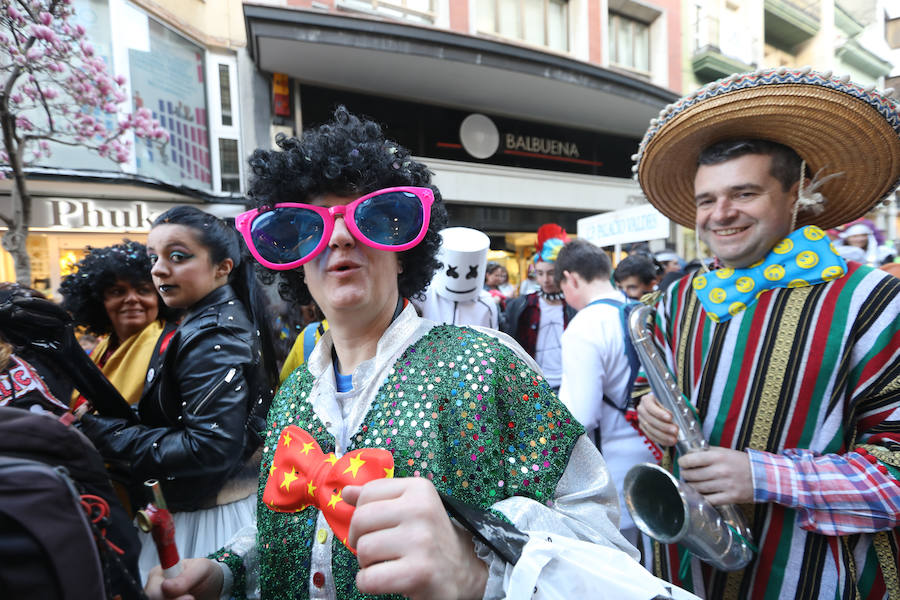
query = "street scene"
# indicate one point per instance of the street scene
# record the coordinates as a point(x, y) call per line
point(450, 299)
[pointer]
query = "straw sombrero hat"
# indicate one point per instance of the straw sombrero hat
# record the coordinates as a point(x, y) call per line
point(832, 123)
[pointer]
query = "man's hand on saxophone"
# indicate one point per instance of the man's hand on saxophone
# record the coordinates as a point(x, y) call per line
point(656, 422)
point(722, 475)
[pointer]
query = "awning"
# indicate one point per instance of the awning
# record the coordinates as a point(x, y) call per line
point(444, 68)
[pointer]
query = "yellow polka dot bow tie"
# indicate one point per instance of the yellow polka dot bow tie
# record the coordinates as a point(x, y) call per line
point(806, 257)
point(301, 475)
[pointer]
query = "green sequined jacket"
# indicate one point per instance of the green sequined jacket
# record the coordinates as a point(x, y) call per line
point(452, 404)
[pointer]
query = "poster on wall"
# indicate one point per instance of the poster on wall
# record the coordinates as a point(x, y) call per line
point(169, 80)
point(94, 16)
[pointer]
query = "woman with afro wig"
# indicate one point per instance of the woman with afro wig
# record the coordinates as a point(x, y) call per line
point(112, 296)
point(391, 412)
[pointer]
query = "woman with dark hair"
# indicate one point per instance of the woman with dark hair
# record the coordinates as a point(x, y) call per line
point(352, 220)
point(112, 295)
point(206, 387)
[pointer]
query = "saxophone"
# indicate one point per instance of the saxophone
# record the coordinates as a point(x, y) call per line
point(666, 509)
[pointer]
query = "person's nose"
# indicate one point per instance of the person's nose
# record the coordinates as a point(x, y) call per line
point(341, 236)
point(131, 296)
point(723, 211)
point(158, 269)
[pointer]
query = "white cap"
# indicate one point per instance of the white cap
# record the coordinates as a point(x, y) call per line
point(857, 229)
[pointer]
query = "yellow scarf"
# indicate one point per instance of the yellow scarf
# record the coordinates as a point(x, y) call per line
point(127, 367)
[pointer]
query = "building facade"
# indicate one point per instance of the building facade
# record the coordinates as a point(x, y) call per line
point(527, 111)
point(180, 61)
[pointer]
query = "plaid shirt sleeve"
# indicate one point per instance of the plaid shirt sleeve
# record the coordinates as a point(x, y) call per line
point(833, 494)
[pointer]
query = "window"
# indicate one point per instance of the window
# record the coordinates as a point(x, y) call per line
point(225, 94)
point(538, 22)
point(224, 122)
point(229, 165)
point(629, 43)
point(416, 11)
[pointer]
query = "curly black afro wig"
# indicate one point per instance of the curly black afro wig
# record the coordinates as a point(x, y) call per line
point(346, 157)
point(99, 269)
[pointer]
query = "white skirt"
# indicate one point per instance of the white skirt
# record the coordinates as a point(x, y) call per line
point(200, 532)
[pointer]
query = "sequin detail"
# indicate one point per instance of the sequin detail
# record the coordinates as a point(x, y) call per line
point(459, 408)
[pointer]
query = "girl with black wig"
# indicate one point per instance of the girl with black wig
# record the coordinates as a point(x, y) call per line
point(351, 219)
point(207, 387)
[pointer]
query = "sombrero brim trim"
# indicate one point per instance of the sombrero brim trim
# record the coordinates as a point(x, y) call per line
point(831, 123)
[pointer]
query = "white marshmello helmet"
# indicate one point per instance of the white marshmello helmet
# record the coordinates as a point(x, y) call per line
point(464, 257)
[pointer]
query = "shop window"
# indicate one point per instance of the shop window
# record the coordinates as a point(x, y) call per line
point(417, 11)
point(229, 165)
point(537, 22)
point(629, 43)
point(225, 94)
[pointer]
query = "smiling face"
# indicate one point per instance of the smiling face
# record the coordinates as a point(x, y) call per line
point(742, 210)
point(349, 277)
point(130, 306)
point(183, 271)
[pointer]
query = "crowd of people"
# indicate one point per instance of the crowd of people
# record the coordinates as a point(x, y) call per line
point(436, 432)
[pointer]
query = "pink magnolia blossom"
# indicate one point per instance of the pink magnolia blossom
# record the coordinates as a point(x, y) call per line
point(22, 122)
point(14, 13)
point(61, 69)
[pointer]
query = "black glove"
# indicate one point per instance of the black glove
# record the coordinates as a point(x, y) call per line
point(44, 327)
point(30, 322)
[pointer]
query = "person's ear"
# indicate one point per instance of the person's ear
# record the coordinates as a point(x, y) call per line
point(795, 191)
point(223, 269)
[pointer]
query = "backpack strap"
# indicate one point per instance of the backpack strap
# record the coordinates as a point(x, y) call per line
point(633, 362)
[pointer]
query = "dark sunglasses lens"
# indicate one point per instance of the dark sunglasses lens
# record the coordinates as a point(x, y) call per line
point(392, 218)
point(286, 234)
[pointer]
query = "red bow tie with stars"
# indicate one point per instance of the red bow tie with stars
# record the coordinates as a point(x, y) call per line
point(302, 475)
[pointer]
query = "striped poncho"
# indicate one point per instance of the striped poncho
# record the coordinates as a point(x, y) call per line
point(809, 379)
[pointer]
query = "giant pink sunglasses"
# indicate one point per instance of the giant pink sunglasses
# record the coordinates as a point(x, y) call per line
point(291, 234)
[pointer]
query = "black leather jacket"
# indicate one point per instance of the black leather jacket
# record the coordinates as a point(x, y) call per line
point(195, 408)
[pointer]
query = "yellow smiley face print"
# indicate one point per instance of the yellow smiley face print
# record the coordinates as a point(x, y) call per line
point(717, 295)
point(736, 307)
point(807, 259)
point(783, 247)
point(724, 273)
point(795, 283)
point(774, 272)
point(699, 282)
point(813, 233)
point(745, 284)
point(830, 273)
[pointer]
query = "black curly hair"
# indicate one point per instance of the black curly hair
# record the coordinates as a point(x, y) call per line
point(347, 157)
point(99, 270)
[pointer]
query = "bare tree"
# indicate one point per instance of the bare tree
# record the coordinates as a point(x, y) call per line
point(54, 89)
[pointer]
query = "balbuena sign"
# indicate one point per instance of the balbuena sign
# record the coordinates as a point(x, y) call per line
point(541, 145)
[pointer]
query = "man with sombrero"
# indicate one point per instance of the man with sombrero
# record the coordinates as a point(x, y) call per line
point(789, 353)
